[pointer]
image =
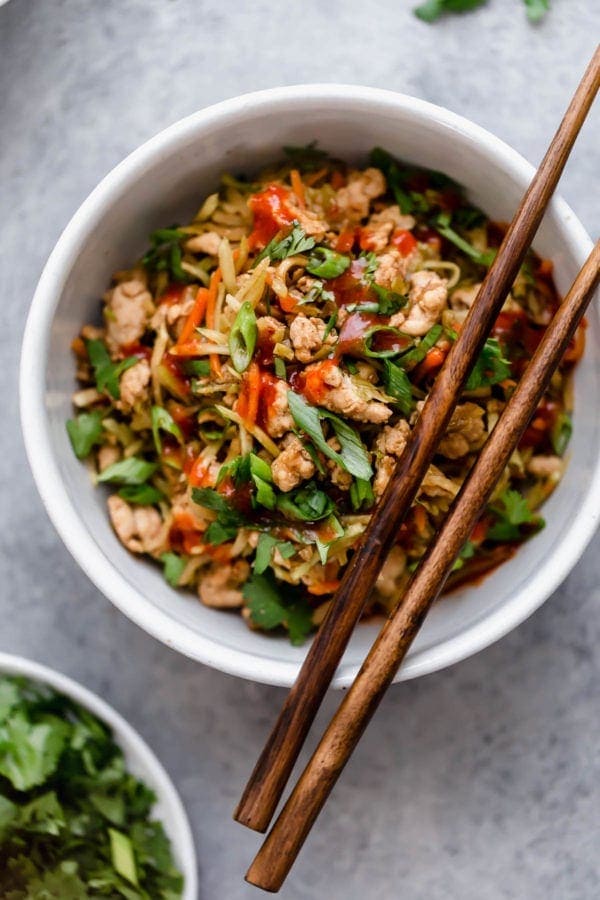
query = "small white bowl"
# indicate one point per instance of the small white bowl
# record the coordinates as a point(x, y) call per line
point(164, 181)
point(140, 759)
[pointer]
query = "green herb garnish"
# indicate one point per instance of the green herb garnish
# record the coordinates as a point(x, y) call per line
point(511, 512)
point(74, 823)
point(306, 504)
point(269, 610)
point(295, 242)
point(433, 9)
point(243, 337)
point(163, 421)
point(353, 456)
point(165, 253)
point(173, 566)
point(482, 258)
point(326, 263)
point(490, 368)
point(398, 386)
point(133, 470)
point(106, 372)
point(309, 158)
point(561, 433)
point(143, 494)
point(85, 431)
point(264, 550)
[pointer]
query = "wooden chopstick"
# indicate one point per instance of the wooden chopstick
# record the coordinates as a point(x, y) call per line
point(281, 847)
point(277, 759)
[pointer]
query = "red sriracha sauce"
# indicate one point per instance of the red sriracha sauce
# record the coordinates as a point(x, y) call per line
point(271, 213)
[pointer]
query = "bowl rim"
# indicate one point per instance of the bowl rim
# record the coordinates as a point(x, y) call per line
point(35, 425)
point(127, 737)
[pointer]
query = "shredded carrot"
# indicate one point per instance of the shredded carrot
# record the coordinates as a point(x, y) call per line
point(211, 303)
point(323, 587)
point(434, 359)
point(337, 180)
point(78, 347)
point(479, 532)
point(313, 177)
point(345, 241)
point(195, 317)
point(252, 380)
point(220, 554)
point(288, 303)
point(298, 187)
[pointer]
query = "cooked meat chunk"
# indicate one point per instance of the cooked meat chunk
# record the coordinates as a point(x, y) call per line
point(428, 293)
point(379, 228)
point(354, 198)
point(309, 221)
point(393, 567)
point(436, 484)
point(139, 528)
point(279, 418)
point(307, 337)
point(174, 314)
point(345, 397)
point(293, 465)
point(545, 466)
point(465, 433)
point(391, 267)
point(384, 467)
point(128, 305)
point(270, 330)
point(108, 454)
point(392, 440)
point(339, 476)
point(220, 585)
point(208, 243)
point(134, 383)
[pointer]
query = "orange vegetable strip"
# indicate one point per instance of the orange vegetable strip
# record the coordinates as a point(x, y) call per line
point(322, 587)
point(298, 186)
point(195, 317)
point(252, 392)
point(313, 177)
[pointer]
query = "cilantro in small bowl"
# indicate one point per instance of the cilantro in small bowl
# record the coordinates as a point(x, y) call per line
point(75, 822)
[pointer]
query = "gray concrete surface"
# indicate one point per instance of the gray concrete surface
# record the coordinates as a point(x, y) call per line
point(479, 782)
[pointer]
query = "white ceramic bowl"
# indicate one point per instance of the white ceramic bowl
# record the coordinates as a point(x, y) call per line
point(140, 759)
point(164, 181)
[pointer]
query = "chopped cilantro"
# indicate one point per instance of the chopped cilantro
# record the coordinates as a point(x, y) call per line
point(264, 550)
point(173, 567)
point(165, 253)
point(326, 263)
point(295, 242)
point(511, 512)
point(162, 420)
point(133, 470)
point(106, 372)
point(85, 431)
point(309, 158)
point(490, 368)
point(269, 610)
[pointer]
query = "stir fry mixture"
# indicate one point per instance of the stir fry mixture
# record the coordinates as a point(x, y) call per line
point(258, 372)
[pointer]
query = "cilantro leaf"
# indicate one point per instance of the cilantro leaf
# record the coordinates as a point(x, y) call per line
point(511, 511)
point(308, 503)
point(295, 242)
point(162, 420)
point(264, 550)
point(29, 752)
point(143, 494)
point(269, 610)
point(353, 456)
point(134, 470)
point(418, 353)
point(173, 568)
point(85, 431)
point(326, 263)
point(490, 368)
point(388, 302)
point(106, 372)
point(229, 520)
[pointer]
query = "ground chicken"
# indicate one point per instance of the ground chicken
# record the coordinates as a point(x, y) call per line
point(307, 337)
point(293, 465)
point(128, 305)
point(204, 243)
point(270, 331)
point(354, 198)
point(345, 397)
point(107, 456)
point(134, 383)
point(220, 585)
point(465, 433)
point(435, 484)
point(392, 440)
point(427, 296)
point(393, 567)
point(391, 266)
point(339, 476)
point(309, 221)
point(545, 466)
point(384, 468)
point(174, 314)
point(279, 418)
point(380, 226)
point(139, 528)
